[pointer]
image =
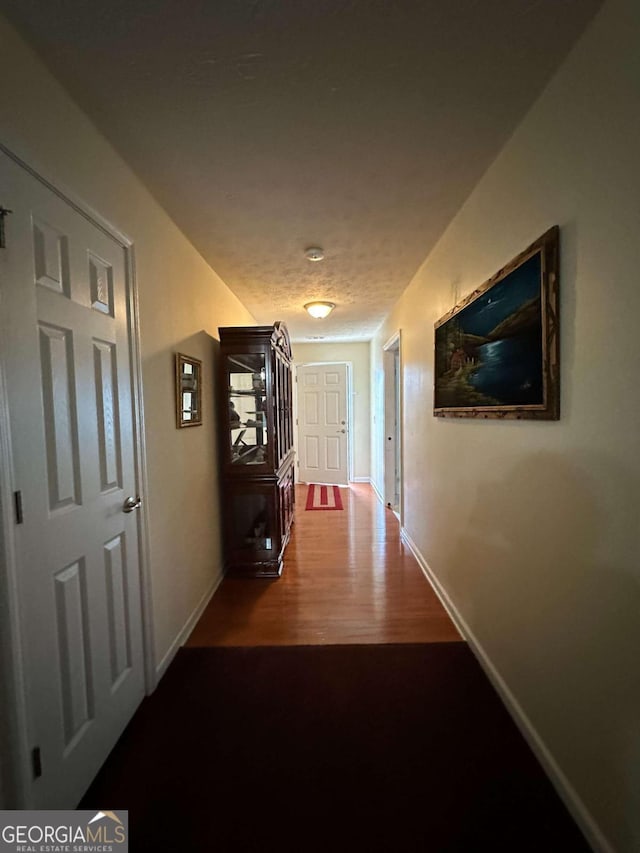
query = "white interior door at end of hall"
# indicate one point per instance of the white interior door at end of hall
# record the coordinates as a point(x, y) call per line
point(66, 355)
point(322, 423)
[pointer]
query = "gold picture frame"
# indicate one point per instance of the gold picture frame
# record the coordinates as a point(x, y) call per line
point(188, 391)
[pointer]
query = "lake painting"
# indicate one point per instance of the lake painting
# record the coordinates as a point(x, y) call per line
point(496, 353)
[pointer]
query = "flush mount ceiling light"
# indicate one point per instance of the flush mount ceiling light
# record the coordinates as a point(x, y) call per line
point(320, 310)
point(314, 253)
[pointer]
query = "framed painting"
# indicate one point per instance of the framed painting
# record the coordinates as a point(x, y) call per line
point(497, 351)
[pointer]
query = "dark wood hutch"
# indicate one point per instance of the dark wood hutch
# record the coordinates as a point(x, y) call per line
point(257, 448)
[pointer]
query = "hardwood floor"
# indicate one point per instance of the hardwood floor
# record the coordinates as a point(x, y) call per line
point(348, 578)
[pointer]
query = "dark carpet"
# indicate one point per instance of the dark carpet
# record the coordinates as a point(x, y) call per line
point(334, 748)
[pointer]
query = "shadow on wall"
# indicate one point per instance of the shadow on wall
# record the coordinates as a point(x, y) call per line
point(204, 483)
point(546, 574)
point(183, 464)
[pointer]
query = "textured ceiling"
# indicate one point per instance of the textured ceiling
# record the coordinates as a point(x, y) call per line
point(267, 126)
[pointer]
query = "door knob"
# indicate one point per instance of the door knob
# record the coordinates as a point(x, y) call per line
point(131, 503)
point(341, 430)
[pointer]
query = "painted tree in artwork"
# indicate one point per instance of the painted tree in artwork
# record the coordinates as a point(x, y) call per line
point(448, 340)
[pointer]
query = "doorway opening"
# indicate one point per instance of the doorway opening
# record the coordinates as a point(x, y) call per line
point(392, 364)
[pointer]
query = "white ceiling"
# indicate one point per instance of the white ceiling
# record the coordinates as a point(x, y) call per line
point(267, 126)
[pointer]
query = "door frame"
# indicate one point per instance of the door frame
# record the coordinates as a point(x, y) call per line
point(349, 393)
point(393, 419)
point(15, 770)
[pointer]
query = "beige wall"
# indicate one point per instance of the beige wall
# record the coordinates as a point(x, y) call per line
point(533, 528)
point(358, 355)
point(182, 303)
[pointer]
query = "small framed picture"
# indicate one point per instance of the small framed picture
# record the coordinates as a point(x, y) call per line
point(188, 391)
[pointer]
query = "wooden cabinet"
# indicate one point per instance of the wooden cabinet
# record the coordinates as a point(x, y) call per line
point(257, 448)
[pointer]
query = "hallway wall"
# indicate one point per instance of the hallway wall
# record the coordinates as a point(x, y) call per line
point(532, 528)
point(182, 303)
point(358, 354)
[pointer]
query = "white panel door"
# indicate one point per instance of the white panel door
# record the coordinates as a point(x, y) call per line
point(322, 423)
point(392, 421)
point(66, 356)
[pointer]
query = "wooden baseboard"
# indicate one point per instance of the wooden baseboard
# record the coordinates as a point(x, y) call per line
point(564, 788)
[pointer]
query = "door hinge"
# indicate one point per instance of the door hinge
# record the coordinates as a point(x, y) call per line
point(36, 761)
point(17, 498)
point(3, 212)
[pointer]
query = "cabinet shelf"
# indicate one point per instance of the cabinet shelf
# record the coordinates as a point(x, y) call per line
point(246, 363)
point(248, 451)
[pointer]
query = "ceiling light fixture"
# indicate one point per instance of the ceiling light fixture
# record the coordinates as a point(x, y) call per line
point(320, 310)
point(314, 253)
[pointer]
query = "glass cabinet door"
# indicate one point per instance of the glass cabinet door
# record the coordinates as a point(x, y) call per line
point(247, 409)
